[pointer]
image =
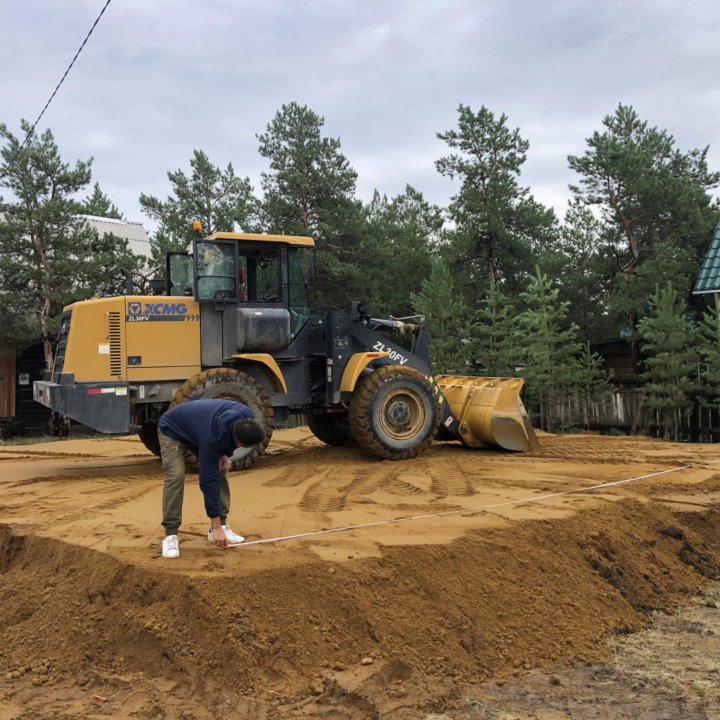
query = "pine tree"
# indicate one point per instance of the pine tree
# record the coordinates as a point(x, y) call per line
point(99, 204)
point(583, 263)
point(222, 201)
point(494, 345)
point(111, 251)
point(655, 202)
point(551, 349)
point(671, 362)
point(590, 387)
point(498, 226)
point(446, 318)
point(47, 256)
point(309, 190)
point(400, 235)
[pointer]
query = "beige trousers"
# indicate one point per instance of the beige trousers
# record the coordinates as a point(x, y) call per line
point(173, 462)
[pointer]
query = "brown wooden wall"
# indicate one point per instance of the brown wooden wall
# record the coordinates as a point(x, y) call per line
point(7, 386)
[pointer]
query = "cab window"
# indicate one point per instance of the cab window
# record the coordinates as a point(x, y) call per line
point(180, 274)
point(267, 278)
point(216, 272)
point(298, 279)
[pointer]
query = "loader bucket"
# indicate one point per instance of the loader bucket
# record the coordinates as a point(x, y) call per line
point(489, 411)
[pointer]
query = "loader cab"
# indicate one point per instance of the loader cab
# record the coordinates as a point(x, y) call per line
point(228, 272)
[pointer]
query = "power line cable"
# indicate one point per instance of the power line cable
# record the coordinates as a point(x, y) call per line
point(54, 92)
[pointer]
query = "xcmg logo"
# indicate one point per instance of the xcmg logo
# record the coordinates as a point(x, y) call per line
point(138, 308)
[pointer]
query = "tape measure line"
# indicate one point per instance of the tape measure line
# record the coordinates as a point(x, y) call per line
point(458, 511)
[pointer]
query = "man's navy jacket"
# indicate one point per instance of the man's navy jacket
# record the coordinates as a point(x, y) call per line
point(206, 425)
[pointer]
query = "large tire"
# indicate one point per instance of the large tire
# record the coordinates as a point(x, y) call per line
point(394, 413)
point(59, 425)
point(229, 384)
point(332, 428)
point(149, 437)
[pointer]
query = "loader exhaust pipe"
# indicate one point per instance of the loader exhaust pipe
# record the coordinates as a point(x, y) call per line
point(489, 411)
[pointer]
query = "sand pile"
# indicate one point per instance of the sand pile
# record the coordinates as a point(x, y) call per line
point(384, 621)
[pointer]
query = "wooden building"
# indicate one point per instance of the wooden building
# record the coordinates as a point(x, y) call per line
point(19, 413)
point(709, 278)
point(7, 386)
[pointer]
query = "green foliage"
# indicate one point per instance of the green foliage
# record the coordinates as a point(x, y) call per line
point(310, 191)
point(655, 203)
point(221, 200)
point(494, 345)
point(590, 386)
point(99, 204)
point(111, 252)
point(47, 256)
point(554, 372)
point(112, 258)
point(498, 226)
point(398, 241)
point(671, 362)
point(501, 284)
point(709, 349)
point(446, 319)
point(633, 291)
point(580, 260)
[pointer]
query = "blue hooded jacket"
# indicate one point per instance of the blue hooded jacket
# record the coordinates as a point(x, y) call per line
point(206, 425)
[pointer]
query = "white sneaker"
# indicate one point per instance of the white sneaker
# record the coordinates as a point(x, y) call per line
point(170, 546)
point(232, 537)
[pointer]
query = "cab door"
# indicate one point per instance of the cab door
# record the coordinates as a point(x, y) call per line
point(216, 285)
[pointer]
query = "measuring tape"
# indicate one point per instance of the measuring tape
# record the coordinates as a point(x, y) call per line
point(410, 518)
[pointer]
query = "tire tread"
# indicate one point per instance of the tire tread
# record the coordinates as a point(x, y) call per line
point(189, 391)
point(360, 407)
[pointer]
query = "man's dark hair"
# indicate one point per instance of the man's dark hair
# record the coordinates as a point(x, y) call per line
point(247, 432)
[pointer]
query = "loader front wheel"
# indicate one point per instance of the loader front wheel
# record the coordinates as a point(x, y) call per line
point(394, 413)
point(332, 429)
point(230, 384)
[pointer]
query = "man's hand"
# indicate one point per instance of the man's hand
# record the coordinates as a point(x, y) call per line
point(225, 463)
point(219, 537)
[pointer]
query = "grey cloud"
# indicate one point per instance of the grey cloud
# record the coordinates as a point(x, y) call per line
point(160, 78)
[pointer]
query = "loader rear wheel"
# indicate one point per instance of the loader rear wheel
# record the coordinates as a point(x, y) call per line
point(394, 413)
point(333, 429)
point(149, 437)
point(230, 384)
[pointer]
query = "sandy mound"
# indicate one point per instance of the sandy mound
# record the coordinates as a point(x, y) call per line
point(498, 571)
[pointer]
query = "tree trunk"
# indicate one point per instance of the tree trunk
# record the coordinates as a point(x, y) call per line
point(48, 351)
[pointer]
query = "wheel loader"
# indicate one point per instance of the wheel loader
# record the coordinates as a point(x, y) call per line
point(235, 323)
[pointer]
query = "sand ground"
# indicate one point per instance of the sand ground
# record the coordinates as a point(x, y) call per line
point(456, 571)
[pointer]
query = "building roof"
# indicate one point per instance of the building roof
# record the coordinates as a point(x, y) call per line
point(709, 279)
point(135, 234)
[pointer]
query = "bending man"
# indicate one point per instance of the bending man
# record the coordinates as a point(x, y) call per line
point(213, 429)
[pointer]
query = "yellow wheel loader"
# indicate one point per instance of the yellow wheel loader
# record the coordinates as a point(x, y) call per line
point(235, 323)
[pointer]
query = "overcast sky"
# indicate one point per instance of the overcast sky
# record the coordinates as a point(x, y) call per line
point(159, 78)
